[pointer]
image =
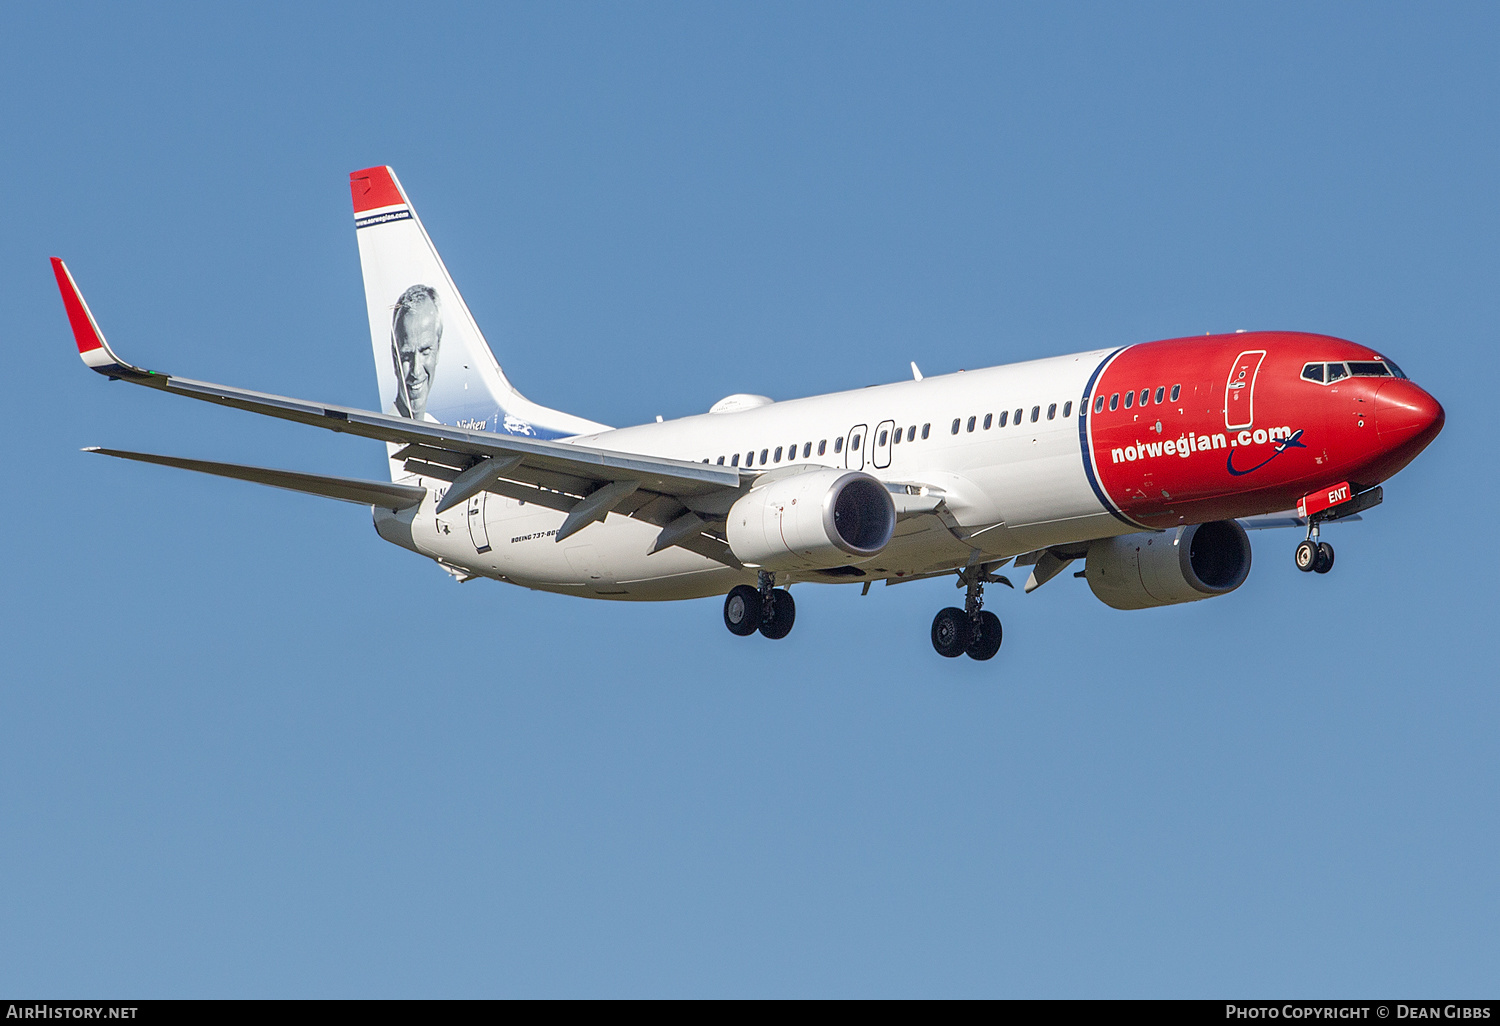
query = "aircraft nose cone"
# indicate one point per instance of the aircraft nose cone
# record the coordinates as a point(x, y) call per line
point(1404, 412)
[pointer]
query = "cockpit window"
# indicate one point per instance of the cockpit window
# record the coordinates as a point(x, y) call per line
point(1368, 369)
point(1336, 371)
point(1396, 370)
point(1313, 372)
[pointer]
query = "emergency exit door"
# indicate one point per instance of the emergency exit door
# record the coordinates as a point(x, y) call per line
point(854, 447)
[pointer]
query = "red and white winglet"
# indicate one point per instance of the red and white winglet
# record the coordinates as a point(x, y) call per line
point(91, 345)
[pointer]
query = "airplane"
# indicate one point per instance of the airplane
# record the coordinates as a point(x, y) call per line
point(1146, 461)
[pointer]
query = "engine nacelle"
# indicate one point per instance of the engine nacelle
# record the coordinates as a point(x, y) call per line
point(812, 521)
point(1138, 571)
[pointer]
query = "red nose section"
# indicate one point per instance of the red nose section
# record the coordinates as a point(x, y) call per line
point(1406, 416)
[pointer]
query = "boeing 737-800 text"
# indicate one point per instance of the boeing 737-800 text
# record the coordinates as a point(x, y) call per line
point(1146, 461)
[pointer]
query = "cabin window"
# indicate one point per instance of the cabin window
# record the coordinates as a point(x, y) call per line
point(1098, 404)
point(911, 433)
point(1036, 414)
point(1052, 412)
point(822, 446)
point(1004, 417)
point(955, 425)
point(854, 443)
point(1176, 391)
point(734, 460)
point(1129, 400)
point(777, 457)
point(763, 453)
point(721, 461)
point(926, 429)
point(1114, 402)
point(989, 419)
point(806, 449)
point(881, 440)
point(971, 423)
point(1018, 418)
point(898, 435)
point(1161, 393)
point(838, 445)
point(1145, 394)
point(1337, 371)
point(1068, 409)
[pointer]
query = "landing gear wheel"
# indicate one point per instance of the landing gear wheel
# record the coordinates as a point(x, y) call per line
point(951, 632)
point(742, 610)
point(986, 632)
point(1307, 556)
point(1324, 562)
point(781, 611)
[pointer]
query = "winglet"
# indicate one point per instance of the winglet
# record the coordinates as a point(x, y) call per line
point(92, 348)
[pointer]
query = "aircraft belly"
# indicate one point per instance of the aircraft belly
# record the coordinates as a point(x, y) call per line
point(608, 559)
point(921, 544)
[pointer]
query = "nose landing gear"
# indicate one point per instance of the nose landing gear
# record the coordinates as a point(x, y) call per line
point(1312, 555)
point(767, 609)
point(972, 630)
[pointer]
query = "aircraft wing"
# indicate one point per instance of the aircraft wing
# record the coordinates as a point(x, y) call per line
point(587, 482)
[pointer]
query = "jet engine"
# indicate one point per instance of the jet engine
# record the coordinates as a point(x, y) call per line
point(1138, 571)
point(815, 520)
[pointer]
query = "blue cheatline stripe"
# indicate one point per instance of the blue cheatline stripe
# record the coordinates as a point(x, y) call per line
point(1085, 412)
point(390, 215)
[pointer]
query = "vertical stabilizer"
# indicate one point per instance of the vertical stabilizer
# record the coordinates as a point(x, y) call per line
point(430, 357)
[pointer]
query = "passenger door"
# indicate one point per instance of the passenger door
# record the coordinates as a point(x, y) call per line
point(1239, 392)
point(854, 447)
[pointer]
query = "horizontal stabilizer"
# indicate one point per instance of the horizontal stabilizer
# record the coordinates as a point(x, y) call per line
point(348, 489)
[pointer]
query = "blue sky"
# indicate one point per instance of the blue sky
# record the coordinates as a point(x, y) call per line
point(249, 749)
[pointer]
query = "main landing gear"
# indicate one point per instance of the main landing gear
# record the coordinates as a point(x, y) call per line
point(971, 630)
point(1314, 556)
point(767, 609)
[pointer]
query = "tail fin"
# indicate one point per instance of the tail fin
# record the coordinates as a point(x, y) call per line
point(430, 357)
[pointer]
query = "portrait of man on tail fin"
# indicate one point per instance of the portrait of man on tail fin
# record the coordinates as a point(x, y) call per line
point(416, 335)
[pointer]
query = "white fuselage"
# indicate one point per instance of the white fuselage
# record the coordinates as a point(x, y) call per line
point(1006, 490)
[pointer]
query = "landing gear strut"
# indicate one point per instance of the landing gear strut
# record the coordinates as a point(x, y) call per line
point(767, 609)
point(972, 629)
point(1312, 555)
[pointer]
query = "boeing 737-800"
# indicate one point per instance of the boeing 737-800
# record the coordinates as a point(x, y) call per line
point(1146, 461)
